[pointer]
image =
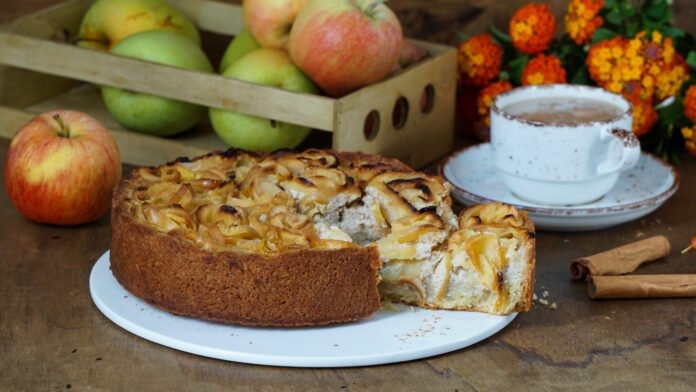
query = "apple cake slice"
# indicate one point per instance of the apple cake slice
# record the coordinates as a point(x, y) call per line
point(311, 238)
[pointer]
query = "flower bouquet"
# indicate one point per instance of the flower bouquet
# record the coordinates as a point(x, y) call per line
point(628, 47)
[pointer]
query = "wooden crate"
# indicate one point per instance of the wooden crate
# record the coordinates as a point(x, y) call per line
point(39, 72)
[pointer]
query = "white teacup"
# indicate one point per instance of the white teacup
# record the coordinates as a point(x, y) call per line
point(562, 154)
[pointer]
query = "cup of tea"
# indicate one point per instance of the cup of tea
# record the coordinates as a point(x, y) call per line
point(562, 144)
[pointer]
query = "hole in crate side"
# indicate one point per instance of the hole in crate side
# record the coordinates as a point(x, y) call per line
point(400, 113)
point(427, 99)
point(371, 125)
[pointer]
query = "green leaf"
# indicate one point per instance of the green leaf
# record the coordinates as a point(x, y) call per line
point(581, 77)
point(691, 59)
point(627, 8)
point(499, 35)
point(672, 32)
point(505, 42)
point(609, 3)
point(632, 29)
point(614, 17)
point(668, 16)
point(673, 113)
point(603, 34)
point(657, 10)
point(462, 36)
point(504, 75)
point(685, 44)
point(516, 67)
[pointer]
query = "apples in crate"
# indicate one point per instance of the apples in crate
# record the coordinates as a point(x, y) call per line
point(242, 44)
point(268, 67)
point(107, 22)
point(148, 113)
point(344, 45)
point(270, 21)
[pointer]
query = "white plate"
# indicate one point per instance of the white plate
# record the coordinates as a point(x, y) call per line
point(638, 192)
point(386, 337)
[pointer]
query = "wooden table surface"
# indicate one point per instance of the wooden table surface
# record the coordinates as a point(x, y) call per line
point(53, 337)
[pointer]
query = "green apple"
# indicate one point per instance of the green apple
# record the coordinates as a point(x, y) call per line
point(242, 44)
point(148, 113)
point(107, 22)
point(269, 67)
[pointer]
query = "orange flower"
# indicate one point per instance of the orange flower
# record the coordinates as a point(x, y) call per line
point(532, 28)
point(582, 21)
point(690, 103)
point(646, 65)
point(616, 64)
point(665, 70)
point(644, 114)
point(690, 139)
point(543, 69)
point(479, 60)
point(486, 97)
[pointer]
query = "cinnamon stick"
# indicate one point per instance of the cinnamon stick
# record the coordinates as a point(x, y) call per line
point(621, 260)
point(643, 286)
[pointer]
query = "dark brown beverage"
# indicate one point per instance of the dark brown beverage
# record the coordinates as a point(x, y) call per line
point(564, 110)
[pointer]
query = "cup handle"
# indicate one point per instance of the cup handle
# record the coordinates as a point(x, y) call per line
point(630, 150)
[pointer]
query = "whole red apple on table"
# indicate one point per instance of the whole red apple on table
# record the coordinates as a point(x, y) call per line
point(61, 168)
point(270, 21)
point(343, 45)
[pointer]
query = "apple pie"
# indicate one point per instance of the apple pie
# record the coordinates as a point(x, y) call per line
point(312, 238)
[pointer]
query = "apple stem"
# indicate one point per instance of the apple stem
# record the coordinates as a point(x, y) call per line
point(64, 131)
point(371, 7)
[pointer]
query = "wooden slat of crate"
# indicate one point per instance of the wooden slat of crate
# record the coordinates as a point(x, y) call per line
point(20, 87)
point(211, 16)
point(135, 148)
point(171, 82)
point(345, 115)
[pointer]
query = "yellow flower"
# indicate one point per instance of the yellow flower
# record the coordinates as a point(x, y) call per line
point(671, 79)
point(582, 21)
point(644, 114)
point(666, 67)
point(615, 64)
point(645, 65)
point(689, 134)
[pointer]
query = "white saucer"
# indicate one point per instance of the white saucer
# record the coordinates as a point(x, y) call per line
point(385, 337)
point(638, 192)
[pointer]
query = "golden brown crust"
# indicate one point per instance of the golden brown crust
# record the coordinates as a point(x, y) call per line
point(308, 287)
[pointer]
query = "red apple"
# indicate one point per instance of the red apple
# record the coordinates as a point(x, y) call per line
point(61, 168)
point(344, 45)
point(409, 55)
point(270, 21)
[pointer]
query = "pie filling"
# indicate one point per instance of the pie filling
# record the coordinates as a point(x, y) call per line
point(274, 203)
